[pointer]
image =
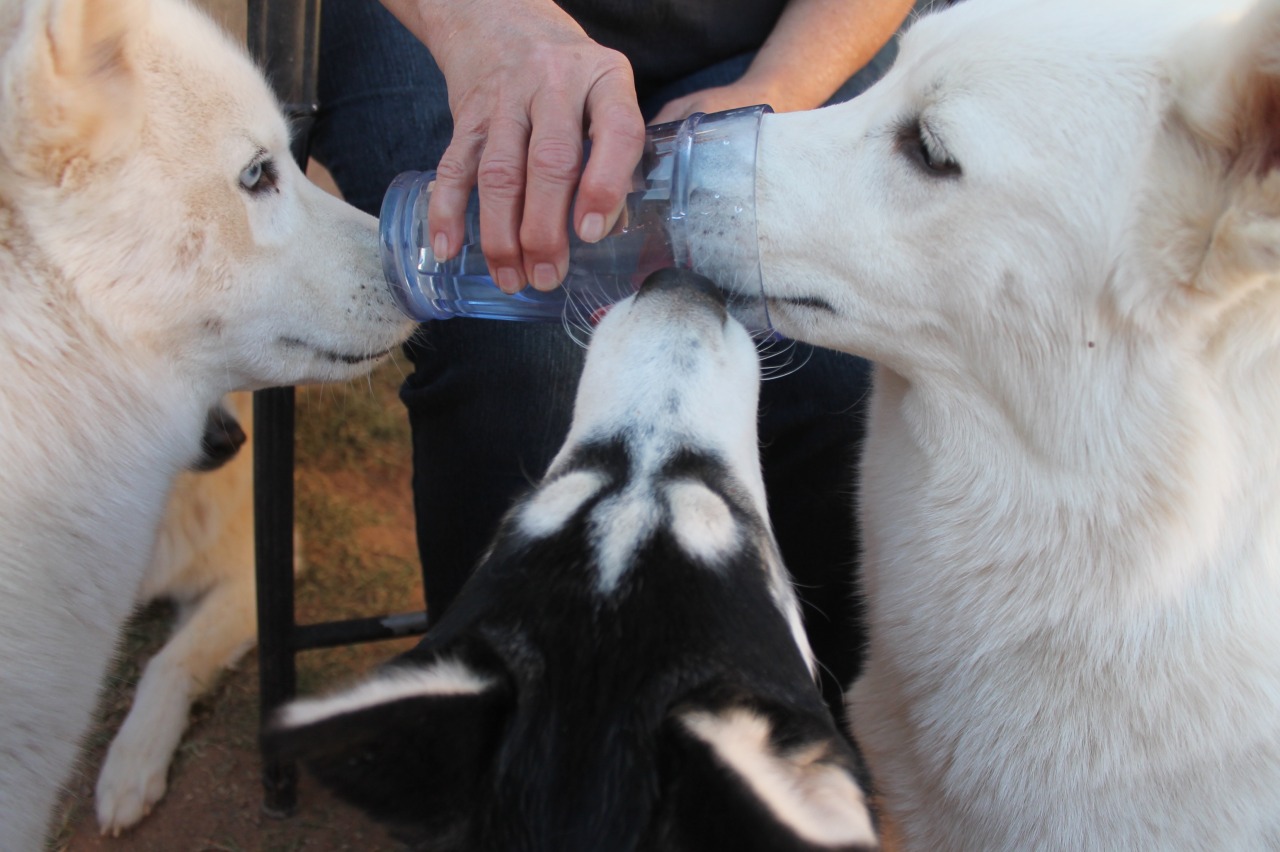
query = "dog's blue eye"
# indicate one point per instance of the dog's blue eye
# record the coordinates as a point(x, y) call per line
point(258, 176)
point(251, 175)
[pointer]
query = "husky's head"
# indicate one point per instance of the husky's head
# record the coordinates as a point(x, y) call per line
point(146, 174)
point(626, 669)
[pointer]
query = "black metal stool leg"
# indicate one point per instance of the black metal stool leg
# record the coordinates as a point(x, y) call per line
point(284, 37)
point(273, 459)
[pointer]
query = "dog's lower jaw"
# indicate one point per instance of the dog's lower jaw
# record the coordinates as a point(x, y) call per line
point(354, 359)
point(304, 363)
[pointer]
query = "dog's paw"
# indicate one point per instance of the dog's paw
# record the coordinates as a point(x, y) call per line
point(132, 780)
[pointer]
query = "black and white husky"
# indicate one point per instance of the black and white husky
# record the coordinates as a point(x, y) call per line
point(627, 669)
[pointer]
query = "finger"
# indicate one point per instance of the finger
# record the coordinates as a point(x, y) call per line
point(501, 179)
point(616, 128)
point(675, 110)
point(455, 178)
point(554, 166)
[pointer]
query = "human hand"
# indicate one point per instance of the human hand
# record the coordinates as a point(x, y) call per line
point(524, 79)
point(716, 99)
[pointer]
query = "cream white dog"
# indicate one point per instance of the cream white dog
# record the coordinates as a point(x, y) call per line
point(204, 563)
point(158, 248)
point(1055, 226)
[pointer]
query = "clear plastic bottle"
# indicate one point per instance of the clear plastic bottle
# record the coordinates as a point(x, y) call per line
point(692, 205)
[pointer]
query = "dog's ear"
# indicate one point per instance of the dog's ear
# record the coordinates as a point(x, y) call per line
point(748, 778)
point(1228, 97)
point(409, 746)
point(70, 89)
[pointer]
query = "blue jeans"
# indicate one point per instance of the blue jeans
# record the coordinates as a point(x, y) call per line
point(489, 402)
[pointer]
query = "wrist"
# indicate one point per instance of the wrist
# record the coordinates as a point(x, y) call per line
point(435, 23)
point(449, 26)
point(780, 92)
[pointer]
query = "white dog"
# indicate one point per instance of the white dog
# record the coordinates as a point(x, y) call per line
point(203, 562)
point(158, 248)
point(1055, 226)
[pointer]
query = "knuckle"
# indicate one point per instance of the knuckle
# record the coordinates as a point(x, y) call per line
point(593, 190)
point(621, 119)
point(540, 239)
point(500, 252)
point(555, 159)
point(500, 176)
point(600, 195)
point(615, 62)
point(451, 169)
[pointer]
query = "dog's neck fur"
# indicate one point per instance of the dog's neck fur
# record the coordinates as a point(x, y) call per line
point(61, 393)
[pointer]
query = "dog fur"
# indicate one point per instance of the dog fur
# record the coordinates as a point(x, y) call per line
point(1055, 227)
point(204, 563)
point(626, 670)
point(158, 248)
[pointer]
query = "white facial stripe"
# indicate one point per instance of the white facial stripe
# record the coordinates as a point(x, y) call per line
point(620, 524)
point(701, 521)
point(821, 803)
point(446, 677)
point(784, 597)
point(552, 506)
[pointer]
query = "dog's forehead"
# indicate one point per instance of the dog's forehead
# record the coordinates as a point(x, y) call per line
point(1048, 52)
point(1009, 82)
point(207, 82)
point(627, 489)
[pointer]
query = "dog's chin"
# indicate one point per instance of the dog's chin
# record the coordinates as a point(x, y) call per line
point(337, 357)
point(800, 305)
point(800, 317)
point(323, 364)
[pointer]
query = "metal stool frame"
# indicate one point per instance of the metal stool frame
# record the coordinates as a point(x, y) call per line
point(284, 38)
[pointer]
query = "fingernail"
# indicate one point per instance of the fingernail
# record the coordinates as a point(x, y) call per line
point(440, 246)
point(545, 276)
point(592, 227)
point(509, 280)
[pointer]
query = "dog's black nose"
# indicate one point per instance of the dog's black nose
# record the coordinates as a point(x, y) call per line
point(222, 439)
point(688, 282)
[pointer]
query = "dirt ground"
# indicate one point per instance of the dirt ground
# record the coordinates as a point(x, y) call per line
point(354, 512)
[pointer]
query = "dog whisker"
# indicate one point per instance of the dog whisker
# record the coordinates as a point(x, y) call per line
point(778, 356)
point(579, 318)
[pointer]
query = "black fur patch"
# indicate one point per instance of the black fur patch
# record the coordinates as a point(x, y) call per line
point(222, 438)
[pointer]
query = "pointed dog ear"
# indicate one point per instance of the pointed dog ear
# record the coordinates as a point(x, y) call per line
point(1228, 96)
point(408, 746)
point(71, 89)
point(731, 783)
